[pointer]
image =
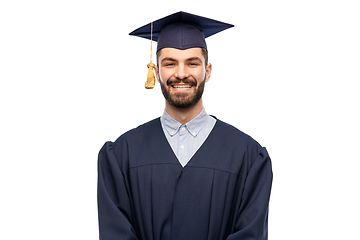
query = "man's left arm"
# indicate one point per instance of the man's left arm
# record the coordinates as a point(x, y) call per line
point(252, 218)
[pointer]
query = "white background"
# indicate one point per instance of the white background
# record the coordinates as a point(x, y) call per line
point(72, 78)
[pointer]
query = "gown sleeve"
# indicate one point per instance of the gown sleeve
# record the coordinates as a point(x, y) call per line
point(252, 218)
point(114, 208)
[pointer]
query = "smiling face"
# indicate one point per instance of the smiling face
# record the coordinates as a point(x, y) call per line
point(182, 75)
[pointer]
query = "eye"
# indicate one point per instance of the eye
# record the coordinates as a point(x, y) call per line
point(168, 64)
point(194, 64)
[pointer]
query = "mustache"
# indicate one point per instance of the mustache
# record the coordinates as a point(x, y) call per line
point(184, 80)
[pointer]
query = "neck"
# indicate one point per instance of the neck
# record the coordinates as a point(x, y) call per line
point(184, 115)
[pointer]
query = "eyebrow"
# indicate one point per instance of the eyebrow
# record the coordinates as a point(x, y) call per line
point(194, 59)
point(187, 60)
point(168, 59)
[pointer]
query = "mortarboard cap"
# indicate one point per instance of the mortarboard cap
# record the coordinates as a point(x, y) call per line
point(180, 30)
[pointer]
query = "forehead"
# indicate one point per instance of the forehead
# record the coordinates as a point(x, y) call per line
point(179, 54)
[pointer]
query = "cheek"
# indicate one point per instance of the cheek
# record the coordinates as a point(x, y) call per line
point(165, 75)
point(199, 75)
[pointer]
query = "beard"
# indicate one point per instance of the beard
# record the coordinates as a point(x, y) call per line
point(183, 100)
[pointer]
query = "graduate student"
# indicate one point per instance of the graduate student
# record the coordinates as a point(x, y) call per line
point(185, 175)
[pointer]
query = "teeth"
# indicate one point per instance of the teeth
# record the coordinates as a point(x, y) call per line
point(182, 86)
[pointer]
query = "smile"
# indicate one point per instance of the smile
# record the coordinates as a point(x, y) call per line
point(181, 86)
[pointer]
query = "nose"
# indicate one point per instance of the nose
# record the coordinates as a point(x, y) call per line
point(181, 72)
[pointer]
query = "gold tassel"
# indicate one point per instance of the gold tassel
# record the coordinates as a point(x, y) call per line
point(150, 82)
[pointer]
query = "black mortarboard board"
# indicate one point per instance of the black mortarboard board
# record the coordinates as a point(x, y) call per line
point(180, 30)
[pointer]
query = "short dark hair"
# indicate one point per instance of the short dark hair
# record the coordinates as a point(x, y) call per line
point(203, 51)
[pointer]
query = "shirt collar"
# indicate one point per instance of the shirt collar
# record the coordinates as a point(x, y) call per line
point(193, 127)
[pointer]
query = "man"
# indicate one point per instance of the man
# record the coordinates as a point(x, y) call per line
point(185, 175)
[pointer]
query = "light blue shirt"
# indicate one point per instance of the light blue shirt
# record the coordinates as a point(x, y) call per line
point(186, 139)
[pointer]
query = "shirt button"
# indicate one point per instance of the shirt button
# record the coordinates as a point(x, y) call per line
point(172, 133)
point(183, 129)
point(182, 147)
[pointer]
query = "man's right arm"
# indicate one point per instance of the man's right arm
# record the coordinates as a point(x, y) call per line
point(114, 208)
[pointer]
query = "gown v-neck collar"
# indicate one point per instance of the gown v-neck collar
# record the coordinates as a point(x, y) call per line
point(170, 151)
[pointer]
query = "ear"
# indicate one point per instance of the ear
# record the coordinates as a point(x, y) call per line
point(208, 72)
point(157, 73)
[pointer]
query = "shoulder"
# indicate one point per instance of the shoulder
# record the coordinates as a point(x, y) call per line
point(139, 135)
point(236, 141)
point(233, 134)
point(133, 141)
point(141, 130)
